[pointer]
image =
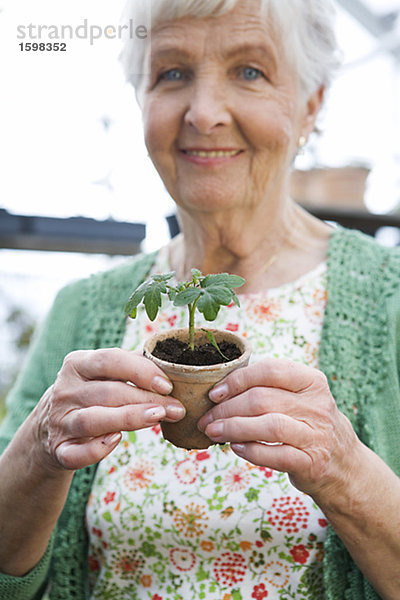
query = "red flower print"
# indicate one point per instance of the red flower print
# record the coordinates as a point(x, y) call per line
point(186, 471)
point(322, 522)
point(156, 429)
point(259, 544)
point(300, 554)
point(259, 592)
point(202, 455)
point(127, 563)
point(97, 532)
point(139, 475)
point(288, 513)
point(232, 327)
point(171, 320)
point(182, 559)
point(263, 311)
point(111, 470)
point(267, 472)
point(156, 597)
point(237, 478)
point(230, 568)
point(109, 497)
point(94, 564)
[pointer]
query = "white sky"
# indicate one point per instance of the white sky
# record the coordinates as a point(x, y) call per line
point(57, 159)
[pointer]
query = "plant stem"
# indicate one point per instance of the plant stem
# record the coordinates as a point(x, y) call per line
point(192, 309)
point(191, 326)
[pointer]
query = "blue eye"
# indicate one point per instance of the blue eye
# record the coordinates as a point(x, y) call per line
point(251, 73)
point(172, 75)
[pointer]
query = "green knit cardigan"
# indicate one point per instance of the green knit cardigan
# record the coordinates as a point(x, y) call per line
point(360, 354)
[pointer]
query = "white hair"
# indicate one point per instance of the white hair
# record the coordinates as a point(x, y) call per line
point(307, 28)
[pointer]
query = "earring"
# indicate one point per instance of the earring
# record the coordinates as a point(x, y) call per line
point(300, 145)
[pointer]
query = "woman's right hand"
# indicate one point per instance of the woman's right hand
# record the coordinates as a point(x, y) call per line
point(97, 395)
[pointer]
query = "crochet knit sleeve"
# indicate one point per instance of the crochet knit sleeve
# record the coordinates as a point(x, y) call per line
point(55, 339)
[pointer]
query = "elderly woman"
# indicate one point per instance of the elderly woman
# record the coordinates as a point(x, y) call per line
point(302, 499)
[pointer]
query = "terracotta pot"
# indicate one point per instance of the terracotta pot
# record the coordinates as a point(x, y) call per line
point(192, 384)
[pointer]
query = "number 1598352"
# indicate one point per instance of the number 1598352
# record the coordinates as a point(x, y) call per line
point(43, 46)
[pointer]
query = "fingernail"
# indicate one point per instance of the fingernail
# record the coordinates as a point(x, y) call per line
point(162, 385)
point(205, 421)
point(219, 392)
point(155, 414)
point(238, 448)
point(111, 439)
point(175, 412)
point(215, 430)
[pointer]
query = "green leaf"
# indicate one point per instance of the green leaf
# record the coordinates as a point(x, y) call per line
point(107, 516)
point(215, 279)
point(224, 279)
point(136, 298)
point(132, 314)
point(235, 281)
point(187, 296)
point(132, 436)
point(212, 341)
point(152, 302)
point(163, 276)
point(220, 294)
point(208, 306)
point(172, 294)
point(235, 299)
point(201, 574)
point(197, 274)
point(252, 494)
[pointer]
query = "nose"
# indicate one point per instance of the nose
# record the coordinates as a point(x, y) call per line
point(207, 107)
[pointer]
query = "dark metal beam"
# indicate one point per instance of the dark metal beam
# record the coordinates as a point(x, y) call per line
point(362, 220)
point(76, 234)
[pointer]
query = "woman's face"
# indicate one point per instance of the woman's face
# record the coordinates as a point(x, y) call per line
point(222, 114)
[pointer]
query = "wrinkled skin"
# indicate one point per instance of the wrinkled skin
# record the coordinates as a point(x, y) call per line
point(281, 414)
point(82, 415)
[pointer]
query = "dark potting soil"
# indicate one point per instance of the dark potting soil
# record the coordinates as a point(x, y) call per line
point(176, 351)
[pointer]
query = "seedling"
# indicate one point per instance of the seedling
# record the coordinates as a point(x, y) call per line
point(206, 293)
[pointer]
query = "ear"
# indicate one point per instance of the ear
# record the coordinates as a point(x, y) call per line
point(313, 106)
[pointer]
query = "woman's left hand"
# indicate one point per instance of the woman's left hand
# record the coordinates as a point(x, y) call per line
point(281, 414)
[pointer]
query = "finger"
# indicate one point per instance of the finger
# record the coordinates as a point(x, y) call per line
point(284, 458)
point(277, 373)
point(117, 364)
point(96, 421)
point(111, 393)
point(77, 454)
point(272, 428)
point(254, 402)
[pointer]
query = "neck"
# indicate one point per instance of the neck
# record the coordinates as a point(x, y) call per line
point(264, 249)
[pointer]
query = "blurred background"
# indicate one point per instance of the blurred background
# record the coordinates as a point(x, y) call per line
point(78, 192)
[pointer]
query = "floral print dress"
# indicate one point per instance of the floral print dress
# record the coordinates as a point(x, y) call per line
point(170, 524)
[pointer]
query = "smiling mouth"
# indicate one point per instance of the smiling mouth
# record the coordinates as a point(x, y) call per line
point(212, 153)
